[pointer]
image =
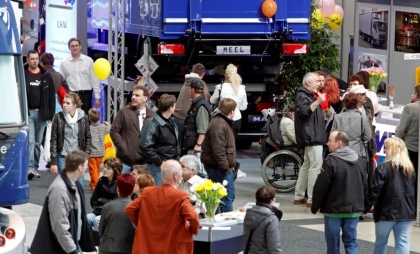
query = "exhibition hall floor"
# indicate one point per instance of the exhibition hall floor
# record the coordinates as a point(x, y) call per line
point(302, 232)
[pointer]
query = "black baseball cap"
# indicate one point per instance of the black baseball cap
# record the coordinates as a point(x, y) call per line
point(196, 84)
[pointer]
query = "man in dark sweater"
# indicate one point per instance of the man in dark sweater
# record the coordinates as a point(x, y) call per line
point(40, 94)
point(339, 193)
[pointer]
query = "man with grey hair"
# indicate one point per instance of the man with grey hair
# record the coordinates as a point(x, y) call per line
point(157, 206)
point(310, 134)
point(190, 165)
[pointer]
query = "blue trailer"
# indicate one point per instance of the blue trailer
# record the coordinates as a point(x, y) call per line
point(219, 31)
point(14, 134)
point(216, 33)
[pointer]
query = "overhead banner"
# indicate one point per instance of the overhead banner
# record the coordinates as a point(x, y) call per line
point(61, 25)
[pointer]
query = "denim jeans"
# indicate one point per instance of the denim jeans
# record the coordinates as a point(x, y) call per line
point(126, 169)
point(58, 106)
point(61, 165)
point(36, 131)
point(401, 233)
point(332, 234)
point(216, 176)
point(93, 220)
point(156, 172)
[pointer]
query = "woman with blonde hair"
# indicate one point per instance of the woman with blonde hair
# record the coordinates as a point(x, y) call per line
point(232, 88)
point(392, 194)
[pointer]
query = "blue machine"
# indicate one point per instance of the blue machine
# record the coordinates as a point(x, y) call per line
point(202, 25)
point(14, 132)
point(216, 33)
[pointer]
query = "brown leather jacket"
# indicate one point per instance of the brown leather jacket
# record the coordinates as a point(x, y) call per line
point(125, 133)
point(218, 149)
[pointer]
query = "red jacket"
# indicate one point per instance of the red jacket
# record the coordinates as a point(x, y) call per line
point(165, 220)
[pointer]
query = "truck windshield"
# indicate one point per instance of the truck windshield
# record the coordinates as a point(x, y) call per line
point(10, 91)
point(380, 26)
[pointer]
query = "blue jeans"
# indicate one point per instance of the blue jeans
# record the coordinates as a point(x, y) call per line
point(61, 165)
point(156, 172)
point(332, 234)
point(93, 220)
point(36, 131)
point(126, 169)
point(401, 233)
point(58, 106)
point(216, 176)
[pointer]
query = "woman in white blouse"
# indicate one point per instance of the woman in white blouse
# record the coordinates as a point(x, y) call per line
point(232, 88)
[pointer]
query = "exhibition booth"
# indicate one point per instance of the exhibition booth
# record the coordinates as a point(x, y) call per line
point(387, 39)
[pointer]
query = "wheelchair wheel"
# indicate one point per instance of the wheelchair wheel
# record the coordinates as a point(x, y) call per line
point(280, 170)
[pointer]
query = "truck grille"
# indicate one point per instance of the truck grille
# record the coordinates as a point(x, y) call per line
point(382, 36)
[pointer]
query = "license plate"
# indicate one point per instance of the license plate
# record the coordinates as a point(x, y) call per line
point(256, 119)
point(233, 50)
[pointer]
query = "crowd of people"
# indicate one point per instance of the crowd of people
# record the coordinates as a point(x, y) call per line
point(161, 155)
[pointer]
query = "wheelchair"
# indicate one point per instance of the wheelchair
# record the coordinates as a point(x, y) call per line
point(280, 169)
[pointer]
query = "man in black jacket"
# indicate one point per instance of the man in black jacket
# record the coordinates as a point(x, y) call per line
point(159, 137)
point(310, 134)
point(339, 193)
point(40, 94)
point(197, 120)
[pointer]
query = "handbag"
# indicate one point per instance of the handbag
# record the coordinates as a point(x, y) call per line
point(215, 105)
point(109, 147)
point(47, 152)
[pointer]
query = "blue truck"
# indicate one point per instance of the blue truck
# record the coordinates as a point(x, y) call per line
point(216, 33)
point(14, 134)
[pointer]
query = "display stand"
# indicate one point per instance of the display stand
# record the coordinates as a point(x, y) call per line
point(219, 237)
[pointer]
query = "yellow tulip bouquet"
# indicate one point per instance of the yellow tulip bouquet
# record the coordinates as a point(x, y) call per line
point(210, 193)
point(376, 75)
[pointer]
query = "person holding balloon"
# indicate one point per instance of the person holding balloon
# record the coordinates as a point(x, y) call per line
point(78, 71)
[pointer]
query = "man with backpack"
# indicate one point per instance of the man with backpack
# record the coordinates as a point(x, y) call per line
point(310, 134)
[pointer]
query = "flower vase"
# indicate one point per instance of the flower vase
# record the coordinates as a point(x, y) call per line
point(211, 208)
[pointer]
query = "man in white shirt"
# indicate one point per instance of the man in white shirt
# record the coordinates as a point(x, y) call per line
point(190, 165)
point(77, 71)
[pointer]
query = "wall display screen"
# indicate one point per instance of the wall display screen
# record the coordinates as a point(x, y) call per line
point(407, 36)
point(373, 28)
point(61, 25)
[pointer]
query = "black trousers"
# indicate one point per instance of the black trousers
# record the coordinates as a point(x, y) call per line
point(180, 124)
point(237, 127)
point(414, 158)
point(86, 98)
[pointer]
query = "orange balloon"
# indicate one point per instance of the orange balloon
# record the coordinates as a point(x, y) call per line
point(269, 8)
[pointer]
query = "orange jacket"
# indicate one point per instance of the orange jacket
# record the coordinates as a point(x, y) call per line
point(166, 223)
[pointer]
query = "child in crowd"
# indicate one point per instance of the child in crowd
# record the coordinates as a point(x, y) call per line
point(139, 170)
point(97, 131)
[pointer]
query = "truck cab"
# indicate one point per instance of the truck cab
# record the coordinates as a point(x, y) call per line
point(14, 134)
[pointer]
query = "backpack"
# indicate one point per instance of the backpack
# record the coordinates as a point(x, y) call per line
point(273, 130)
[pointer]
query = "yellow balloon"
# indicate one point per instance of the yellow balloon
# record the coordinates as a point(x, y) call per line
point(317, 19)
point(335, 21)
point(102, 68)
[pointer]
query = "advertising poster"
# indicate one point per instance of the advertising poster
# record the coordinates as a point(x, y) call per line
point(407, 32)
point(60, 27)
point(373, 28)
